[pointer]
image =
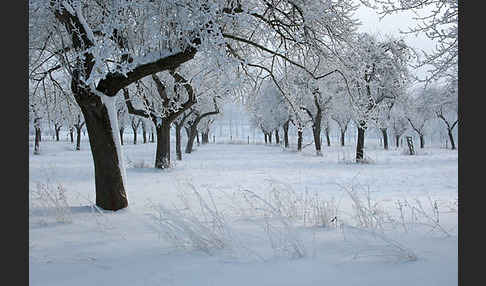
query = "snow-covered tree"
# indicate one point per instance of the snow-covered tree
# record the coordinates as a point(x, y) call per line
point(378, 74)
point(419, 111)
point(437, 20)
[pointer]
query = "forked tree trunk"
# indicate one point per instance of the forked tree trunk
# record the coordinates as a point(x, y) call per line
point(343, 132)
point(162, 155)
point(385, 138)
point(451, 138)
point(134, 136)
point(360, 143)
point(270, 137)
point(286, 134)
point(277, 137)
point(110, 189)
point(299, 140)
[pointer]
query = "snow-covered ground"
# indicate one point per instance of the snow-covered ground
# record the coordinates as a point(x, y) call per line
point(246, 215)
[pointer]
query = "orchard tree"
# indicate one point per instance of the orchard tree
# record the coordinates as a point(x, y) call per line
point(206, 106)
point(398, 122)
point(378, 73)
point(341, 112)
point(445, 106)
point(419, 112)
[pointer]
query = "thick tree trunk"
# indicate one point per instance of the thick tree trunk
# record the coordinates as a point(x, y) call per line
point(342, 137)
point(178, 142)
point(266, 137)
point(78, 139)
point(277, 137)
point(422, 141)
point(286, 134)
point(385, 138)
point(270, 137)
point(162, 154)
point(299, 140)
point(121, 135)
point(37, 141)
point(451, 138)
point(360, 143)
point(110, 189)
point(397, 140)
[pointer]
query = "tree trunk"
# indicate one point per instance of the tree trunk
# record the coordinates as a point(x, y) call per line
point(299, 140)
point(71, 134)
point(316, 131)
point(162, 155)
point(191, 135)
point(121, 135)
point(134, 137)
point(270, 137)
point(152, 139)
point(144, 135)
point(397, 140)
point(360, 143)
point(37, 141)
point(328, 140)
point(385, 138)
point(451, 138)
point(286, 134)
point(178, 141)
point(110, 189)
point(205, 137)
point(422, 141)
point(342, 137)
point(78, 139)
point(266, 137)
point(277, 137)
point(57, 129)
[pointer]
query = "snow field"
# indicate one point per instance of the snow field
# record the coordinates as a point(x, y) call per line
point(247, 215)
